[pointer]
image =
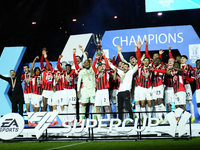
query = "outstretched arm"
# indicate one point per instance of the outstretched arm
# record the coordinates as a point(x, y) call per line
point(170, 53)
point(146, 49)
point(58, 63)
point(94, 64)
point(44, 50)
point(33, 64)
point(4, 78)
point(84, 54)
point(119, 50)
point(48, 64)
point(75, 62)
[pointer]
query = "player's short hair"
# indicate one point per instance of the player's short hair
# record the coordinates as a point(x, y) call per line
point(185, 56)
point(36, 69)
point(68, 65)
point(90, 57)
point(78, 57)
point(147, 58)
point(12, 70)
point(26, 66)
point(132, 57)
point(126, 64)
point(159, 59)
point(177, 62)
point(198, 60)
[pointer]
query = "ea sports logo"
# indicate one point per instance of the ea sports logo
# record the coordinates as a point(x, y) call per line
point(11, 125)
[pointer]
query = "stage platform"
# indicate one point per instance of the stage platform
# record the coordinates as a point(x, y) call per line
point(58, 132)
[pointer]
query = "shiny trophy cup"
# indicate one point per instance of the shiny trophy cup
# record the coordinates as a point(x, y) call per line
point(97, 41)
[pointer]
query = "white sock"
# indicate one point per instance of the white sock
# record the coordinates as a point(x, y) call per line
point(158, 115)
point(143, 110)
point(191, 108)
point(137, 109)
point(149, 114)
point(162, 108)
point(93, 110)
point(98, 116)
point(198, 109)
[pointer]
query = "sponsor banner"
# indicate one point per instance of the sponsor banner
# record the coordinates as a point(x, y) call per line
point(115, 125)
point(11, 125)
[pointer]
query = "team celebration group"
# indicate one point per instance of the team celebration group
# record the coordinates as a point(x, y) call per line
point(152, 84)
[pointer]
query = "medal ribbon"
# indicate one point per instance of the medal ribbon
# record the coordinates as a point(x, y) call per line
point(67, 77)
point(13, 83)
point(29, 78)
point(88, 73)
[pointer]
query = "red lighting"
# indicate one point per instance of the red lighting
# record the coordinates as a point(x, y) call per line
point(33, 22)
point(74, 20)
point(115, 17)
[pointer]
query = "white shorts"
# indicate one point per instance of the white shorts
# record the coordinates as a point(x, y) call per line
point(188, 92)
point(113, 96)
point(102, 98)
point(70, 96)
point(58, 97)
point(88, 95)
point(37, 100)
point(180, 98)
point(198, 96)
point(169, 95)
point(158, 92)
point(47, 94)
point(145, 94)
point(137, 93)
point(27, 97)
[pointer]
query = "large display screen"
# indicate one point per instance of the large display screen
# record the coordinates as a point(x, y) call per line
point(170, 5)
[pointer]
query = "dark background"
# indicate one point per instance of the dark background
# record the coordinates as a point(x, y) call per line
point(54, 21)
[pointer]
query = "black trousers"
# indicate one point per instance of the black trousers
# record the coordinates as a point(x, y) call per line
point(16, 102)
point(124, 97)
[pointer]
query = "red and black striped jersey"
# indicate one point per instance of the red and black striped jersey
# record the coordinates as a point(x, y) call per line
point(197, 78)
point(102, 80)
point(69, 79)
point(137, 79)
point(188, 72)
point(37, 84)
point(158, 78)
point(58, 80)
point(168, 80)
point(145, 77)
point(47, 78)
point(178, 83)
point(114, 84)
point(27, 83)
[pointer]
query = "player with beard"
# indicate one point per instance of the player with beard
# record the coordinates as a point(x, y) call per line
point(69, 90)
point(58, 94)
point(145, 83)
point(158, 89)
point(168, 81)
point(87, 76)
point(155, 55)
point(188, 71)
point(124, 88)
point(47, 85)
point(102, 86)
point(178, 84)
point(17, 96)
point(26, 77)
